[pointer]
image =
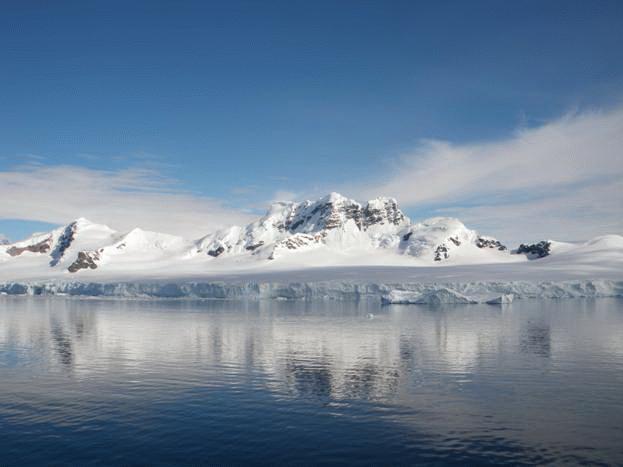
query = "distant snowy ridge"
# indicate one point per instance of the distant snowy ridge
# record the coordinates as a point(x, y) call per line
point(333, 231)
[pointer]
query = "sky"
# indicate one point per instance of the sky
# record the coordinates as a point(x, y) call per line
point(185, 117)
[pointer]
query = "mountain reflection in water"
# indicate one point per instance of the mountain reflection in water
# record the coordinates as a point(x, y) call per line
point(165, 382)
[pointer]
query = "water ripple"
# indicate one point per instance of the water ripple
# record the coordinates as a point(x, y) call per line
point(113, 382)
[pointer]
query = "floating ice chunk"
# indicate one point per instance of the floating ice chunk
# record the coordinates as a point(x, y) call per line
point(439, 296)
point(503, 299)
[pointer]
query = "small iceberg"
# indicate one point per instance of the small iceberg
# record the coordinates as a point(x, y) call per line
point(441, 296)
point(503, 299)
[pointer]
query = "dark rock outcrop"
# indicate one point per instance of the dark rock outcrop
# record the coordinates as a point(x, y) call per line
point(441, 252)
point(85, 260)
point(489, 243)
point(40, 247)
point(217, 251)
point(64, 242)
point(297, 241)
point(535, 250)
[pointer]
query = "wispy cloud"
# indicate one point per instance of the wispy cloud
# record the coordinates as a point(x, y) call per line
point(284, 196)
point(580, 214)
point(561, 179)
point(122, 199)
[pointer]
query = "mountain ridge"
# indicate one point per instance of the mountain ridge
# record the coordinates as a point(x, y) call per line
point(331, 230)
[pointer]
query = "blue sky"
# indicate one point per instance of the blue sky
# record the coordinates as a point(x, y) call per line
point(238, 103)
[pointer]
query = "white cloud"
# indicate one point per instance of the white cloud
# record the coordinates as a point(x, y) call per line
point(122, 199)
point(581, 214)
point(283, 196)
point(560, 180)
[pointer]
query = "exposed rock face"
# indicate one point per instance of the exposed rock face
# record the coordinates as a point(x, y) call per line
point(40, 247)
point(333, 214)
point(254, 247)
point(484, 242)
point(329, 212)
point(64, 242)
point(535, 250)
point(217, 251)
point(441, 253)
point(85, 260)
point(382, 211)
point(295, 242)
point(334, 211)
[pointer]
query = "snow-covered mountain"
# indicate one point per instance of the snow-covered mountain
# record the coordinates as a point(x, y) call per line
point(83, 245)
point(331, 231)
point(338, 225)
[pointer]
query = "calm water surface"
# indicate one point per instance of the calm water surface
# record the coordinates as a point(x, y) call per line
point(165, 382)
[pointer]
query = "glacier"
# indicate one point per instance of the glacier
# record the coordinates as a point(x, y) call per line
point(387, 293)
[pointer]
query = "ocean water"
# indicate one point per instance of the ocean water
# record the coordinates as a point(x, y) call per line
point(101, 382)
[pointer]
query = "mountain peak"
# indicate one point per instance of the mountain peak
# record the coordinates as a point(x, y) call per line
point(335, 198)
point(80, 222)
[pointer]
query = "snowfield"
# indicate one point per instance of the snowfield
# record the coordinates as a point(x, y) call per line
point(332, 248)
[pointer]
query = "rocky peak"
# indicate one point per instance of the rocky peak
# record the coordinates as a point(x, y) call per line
point(341, 223)
point(382, 211)
point(327, 213)
point(334, 210)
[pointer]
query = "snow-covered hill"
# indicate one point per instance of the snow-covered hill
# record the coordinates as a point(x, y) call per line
point(333, 234)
